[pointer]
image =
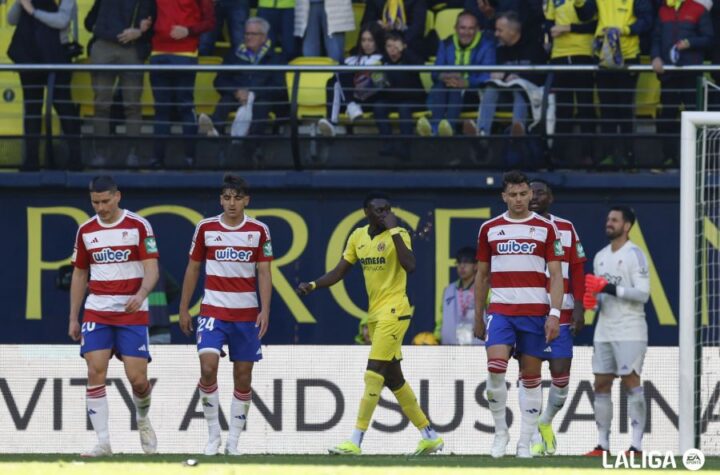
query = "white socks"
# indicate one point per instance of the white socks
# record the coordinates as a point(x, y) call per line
point(428, 433)
point(638, 415)
point(603, 418)
point(210, 400)
point(97, 407)
point(357, 436)
point(530, 406)
point(142, 402)
point(238, 413)
point(497, 393)
point(556, 400)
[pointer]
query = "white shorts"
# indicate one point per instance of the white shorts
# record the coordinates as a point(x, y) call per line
point(620, 358)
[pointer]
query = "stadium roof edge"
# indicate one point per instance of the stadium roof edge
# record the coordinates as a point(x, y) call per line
point(343, 179)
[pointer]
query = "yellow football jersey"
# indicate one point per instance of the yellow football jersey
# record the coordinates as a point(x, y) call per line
point(385, 279)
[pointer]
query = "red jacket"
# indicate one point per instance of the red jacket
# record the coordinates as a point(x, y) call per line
point(198, 16)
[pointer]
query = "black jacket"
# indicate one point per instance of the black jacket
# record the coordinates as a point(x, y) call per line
point(404, 86)
point(267, 85)
point(36, 42)
point(107, 19)
point(525, 52)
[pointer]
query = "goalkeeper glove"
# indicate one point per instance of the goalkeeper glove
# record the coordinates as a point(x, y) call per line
point(589, 301)
point(594, 284)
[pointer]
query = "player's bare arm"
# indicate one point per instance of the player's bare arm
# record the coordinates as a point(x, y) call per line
point(151, 274)
point(78, 287)
point(552, 324)
point(265, 290)
point(192, 274)
point(405, 255)
point(327, 280)
point(482, 287)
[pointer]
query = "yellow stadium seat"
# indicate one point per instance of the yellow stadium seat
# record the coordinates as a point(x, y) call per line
point(6, 33)
point(312, 90)
point(146, 99)
point(11, 100)
point(351, 37)
point(82, 91)
point(445, 22)
point(647, 92)
point(206, 96)
point(429, 22)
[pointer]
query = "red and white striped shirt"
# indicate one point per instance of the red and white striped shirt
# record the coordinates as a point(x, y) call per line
point(518, 251)
point(231, 255)
point(114, 254)
point(574, 254)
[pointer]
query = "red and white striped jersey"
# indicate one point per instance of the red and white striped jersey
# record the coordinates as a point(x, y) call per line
point(518, 251)
point(574, 254)
point(114, 254)
point(231, 255)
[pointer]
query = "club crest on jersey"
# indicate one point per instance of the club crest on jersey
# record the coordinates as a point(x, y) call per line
point(514, 247)
point(108, 256)
point(381, 247)
point(231, 255)
point(124, 235)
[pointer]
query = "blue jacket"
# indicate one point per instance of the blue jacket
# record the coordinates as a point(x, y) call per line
point(691, 22)
point(482, 55)
point(267, 85)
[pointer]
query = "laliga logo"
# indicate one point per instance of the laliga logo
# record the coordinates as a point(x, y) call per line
point(514, 247)
point(107, 255)
point(230, 254)
point(693, 459)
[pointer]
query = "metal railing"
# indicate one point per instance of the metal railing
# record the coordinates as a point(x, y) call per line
point(567, 129)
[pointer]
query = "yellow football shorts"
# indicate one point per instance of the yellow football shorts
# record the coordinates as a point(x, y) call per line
point(386, 337)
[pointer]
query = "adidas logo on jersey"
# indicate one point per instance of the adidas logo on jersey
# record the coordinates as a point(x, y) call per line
point(94, 241)
point(548, 350)
point(219, 238)
point(107, 255)
point(231, 255)
point(501, 233)
point(514, 247)
point(142, 348)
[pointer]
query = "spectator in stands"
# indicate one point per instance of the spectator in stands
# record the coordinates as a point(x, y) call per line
point(280, 14)
point(617, 23)
point(406, 16)
point(178, 28)
point(40, 33)
point(322, 25)
point(682, 34)
point(235, 86)
point(232, 13)
point(455, 326)
point(513, 49)
point(467, 46)
point(357, 89)
point(572, 25)
point(121, 35)
point(530, 13)
point(403, 93)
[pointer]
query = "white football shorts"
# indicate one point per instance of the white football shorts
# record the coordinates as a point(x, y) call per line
point(620, 358)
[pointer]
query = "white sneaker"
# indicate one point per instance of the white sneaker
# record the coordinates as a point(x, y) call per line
point(523, 451)
point(500, 443)
point(100, 450)
point(326, 128)
point(148, 440)
point(213, 446)
point(230, 450)
point(206, 126)
point(353, 110)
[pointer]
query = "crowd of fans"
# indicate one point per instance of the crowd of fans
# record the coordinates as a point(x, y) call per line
point(611, 33)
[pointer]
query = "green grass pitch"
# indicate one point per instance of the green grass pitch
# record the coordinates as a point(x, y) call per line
point(52, 464)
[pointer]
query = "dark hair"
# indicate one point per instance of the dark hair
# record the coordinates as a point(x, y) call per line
point(514, 177)
point(103, 183)
point(467, 13)
point(375, 195)
point(377, 33)
point(511, 16)
point(627, 212)
point(394, 35)
point(235, 182)
point(466, 254)
point(541, 181)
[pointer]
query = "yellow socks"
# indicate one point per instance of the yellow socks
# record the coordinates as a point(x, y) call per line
point(373, 386)
point(410, 407)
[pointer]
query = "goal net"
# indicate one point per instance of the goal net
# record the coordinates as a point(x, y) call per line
point(699, 340)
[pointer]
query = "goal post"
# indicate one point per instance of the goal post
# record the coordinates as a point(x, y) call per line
point(699, 205)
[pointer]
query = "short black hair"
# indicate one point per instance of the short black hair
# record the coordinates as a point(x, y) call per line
point(467, 13)
point(466, 254)
point(540, 180)
point(103, 183)
point(375, 195)
point(394, 35)
point(511, 16)
point(627, 212)
point(235, 182)
point(514, 177)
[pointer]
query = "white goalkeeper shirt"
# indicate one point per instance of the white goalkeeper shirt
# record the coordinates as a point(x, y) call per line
point(622, 316)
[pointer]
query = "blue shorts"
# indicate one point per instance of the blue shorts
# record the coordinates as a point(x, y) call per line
point(242, 338)
point(123, 340)
point(526, 334)
point(562, 346)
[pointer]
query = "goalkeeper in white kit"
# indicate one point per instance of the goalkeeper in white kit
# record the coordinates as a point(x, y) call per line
point(619, 289)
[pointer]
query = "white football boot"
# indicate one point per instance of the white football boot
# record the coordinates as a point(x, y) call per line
point(500, 443)
point(148, 439)
point(100, 450)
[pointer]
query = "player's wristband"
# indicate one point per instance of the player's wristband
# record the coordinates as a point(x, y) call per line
point(312, 285)
point(554, 313)
point(395, 231)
